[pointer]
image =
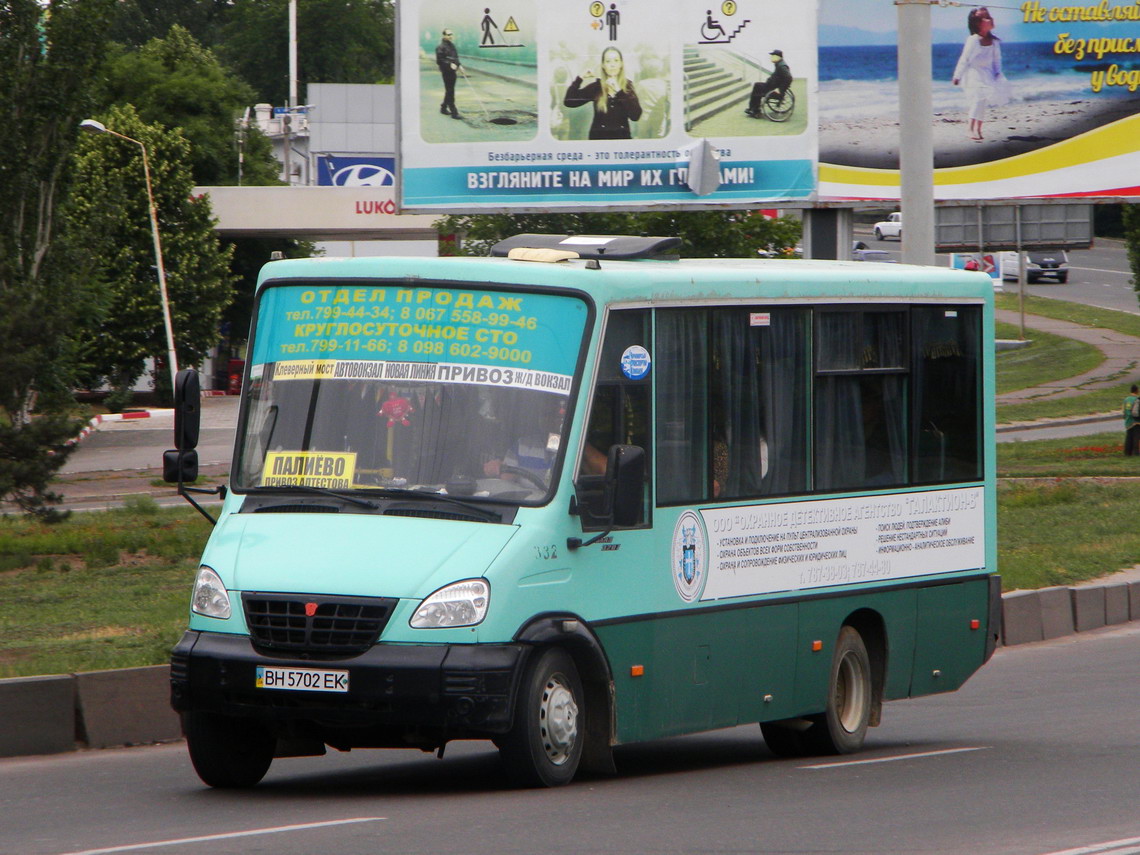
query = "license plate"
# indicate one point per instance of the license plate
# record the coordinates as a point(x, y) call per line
point(302, 679)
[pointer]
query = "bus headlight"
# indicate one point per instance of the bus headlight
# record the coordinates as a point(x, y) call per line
point(210, 597)
point(458, 604)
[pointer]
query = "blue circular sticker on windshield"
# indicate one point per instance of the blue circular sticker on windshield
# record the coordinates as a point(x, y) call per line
point(635, 362)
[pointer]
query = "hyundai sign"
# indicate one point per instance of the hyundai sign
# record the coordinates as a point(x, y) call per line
point(337, 171)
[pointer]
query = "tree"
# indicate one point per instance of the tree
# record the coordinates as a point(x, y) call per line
point(108, 213)
point(340, 41)
point(175, 82)
point(1131, 216)
point(46, 64)
point(138, 21)
point(704, 234)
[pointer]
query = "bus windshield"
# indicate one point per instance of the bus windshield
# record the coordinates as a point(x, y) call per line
point(394, 387)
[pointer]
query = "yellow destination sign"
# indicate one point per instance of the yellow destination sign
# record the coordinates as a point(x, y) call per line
point(333, 470)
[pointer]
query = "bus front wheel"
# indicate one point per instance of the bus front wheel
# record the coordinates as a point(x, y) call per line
point(842, 727)
point(227, 753)
point(544, 746)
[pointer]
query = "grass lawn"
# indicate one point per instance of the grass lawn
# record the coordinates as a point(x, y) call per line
point(1065, 530)
point(99, 590)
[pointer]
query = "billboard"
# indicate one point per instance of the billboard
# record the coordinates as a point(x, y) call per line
point(1061, 119)
point(522, 105)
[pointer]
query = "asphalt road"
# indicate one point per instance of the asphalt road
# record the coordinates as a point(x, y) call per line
point(139, 443)
point(1037, 754)
point(1097, 277)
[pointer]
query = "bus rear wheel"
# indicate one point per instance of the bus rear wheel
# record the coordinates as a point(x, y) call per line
point(842, 727)
point(228, 753)
point(544, 746)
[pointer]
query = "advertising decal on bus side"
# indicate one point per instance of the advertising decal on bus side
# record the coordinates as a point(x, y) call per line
point(764, 549)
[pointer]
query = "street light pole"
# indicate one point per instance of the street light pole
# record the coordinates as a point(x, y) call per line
point(95, 127)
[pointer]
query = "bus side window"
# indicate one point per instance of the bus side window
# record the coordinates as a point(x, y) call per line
point(861, 398)
point(947, 393)
point(732, 399)
point(619, 410)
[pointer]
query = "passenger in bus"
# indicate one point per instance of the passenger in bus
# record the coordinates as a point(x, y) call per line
point(722, 461)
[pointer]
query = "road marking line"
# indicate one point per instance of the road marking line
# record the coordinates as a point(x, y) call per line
point(1103, 270)
point(1118, 847)
point(228, 836)
point(895, 758)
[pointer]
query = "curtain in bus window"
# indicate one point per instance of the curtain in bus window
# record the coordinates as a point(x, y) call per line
point(739, 443)
point(682, 405)
point(884, 340)
point(759, 402)
point(784, 359)
point(839, 347)
point(946, 392)
point(860, 437)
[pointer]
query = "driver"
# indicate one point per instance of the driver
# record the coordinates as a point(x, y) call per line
point(535, 450)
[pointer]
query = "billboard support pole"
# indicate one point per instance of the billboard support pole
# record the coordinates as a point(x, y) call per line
point(1020, 268)
point(916, 132)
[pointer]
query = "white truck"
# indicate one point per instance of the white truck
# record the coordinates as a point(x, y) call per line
point(891, 227)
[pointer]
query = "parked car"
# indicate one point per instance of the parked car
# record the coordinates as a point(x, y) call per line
point(880, 255)
point(891, 227)
point(1039, 263)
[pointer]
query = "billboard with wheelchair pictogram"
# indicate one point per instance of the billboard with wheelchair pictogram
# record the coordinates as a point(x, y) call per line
point(606, 103)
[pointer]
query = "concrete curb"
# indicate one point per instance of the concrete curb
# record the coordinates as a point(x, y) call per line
point(125, 707)
point(131, 706)
point(38, 715)
point(1047, 613)
point(94, 423)
point(99, 709)
point(128, 415)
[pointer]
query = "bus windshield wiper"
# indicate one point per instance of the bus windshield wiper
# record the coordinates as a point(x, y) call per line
point(320, 491)
point(400, 493)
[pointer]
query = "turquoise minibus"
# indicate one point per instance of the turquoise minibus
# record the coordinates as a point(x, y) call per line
point(583, 493)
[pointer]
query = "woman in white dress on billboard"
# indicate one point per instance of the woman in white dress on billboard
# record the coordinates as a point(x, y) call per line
point(979, 70)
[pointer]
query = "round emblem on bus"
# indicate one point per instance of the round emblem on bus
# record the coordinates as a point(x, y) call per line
point(689, 556)
point(635, 362)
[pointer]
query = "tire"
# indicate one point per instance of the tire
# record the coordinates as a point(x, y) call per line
point(228, 753)
point(1062, 278)
point(544, 746)
point(842, 727)
point(878, 234)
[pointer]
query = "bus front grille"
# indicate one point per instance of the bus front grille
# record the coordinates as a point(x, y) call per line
point(332, 626)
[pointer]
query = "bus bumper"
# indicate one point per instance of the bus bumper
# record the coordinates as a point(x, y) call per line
point(397, 694)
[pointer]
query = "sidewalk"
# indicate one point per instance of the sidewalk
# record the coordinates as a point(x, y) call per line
point(1121, 352)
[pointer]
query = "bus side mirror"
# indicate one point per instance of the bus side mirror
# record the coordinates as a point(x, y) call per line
point(625, 474)
point(179, 466)
point(624, 484)
point(187, 410)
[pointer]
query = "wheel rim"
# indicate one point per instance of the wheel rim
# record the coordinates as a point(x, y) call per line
point(558, 720)
point(850, 692)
